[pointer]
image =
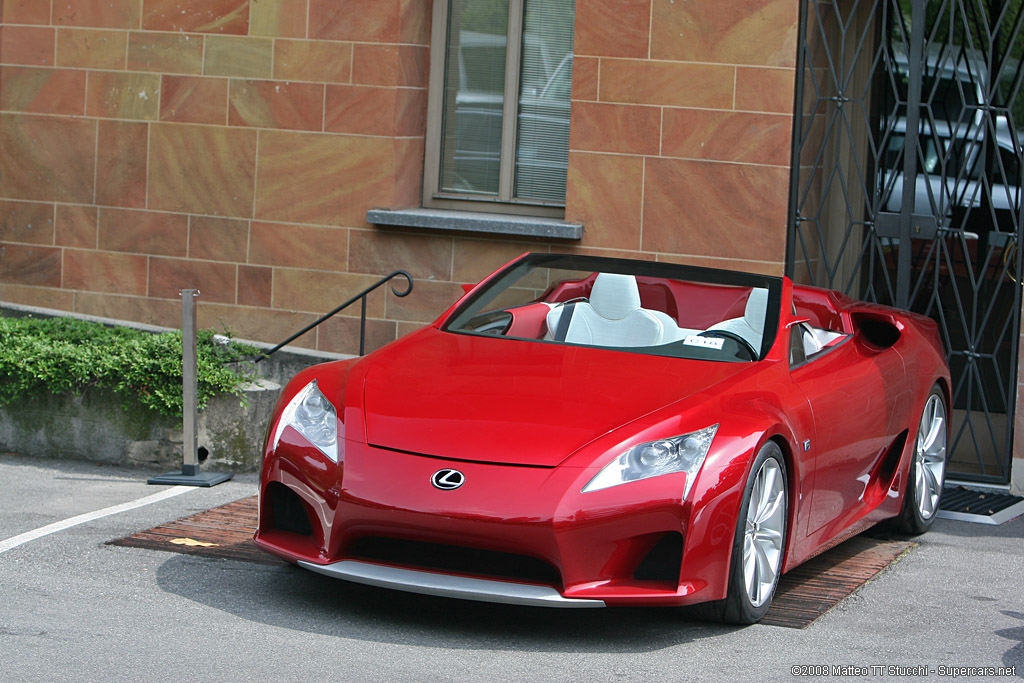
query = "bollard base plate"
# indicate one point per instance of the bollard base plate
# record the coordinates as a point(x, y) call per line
point(188, 478)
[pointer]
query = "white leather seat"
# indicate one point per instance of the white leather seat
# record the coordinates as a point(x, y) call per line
point(611, 317)
point(751, 325)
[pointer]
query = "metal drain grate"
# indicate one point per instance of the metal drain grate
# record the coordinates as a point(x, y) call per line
point(804, 594)
point(982, 507)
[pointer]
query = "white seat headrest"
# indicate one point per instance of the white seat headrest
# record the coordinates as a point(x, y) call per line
point(615, 296)
point(757, 308)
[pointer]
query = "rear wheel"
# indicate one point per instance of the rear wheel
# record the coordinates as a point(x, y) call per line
point(759, 543)
point(928, 468)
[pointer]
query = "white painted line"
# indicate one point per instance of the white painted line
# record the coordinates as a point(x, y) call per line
point(15, 541)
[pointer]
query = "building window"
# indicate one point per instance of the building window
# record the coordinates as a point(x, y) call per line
point(498, 116)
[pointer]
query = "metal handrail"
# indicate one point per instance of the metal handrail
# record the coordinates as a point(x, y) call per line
point(362, 313)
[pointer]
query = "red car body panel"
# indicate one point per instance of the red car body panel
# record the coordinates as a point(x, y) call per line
point(529, 424)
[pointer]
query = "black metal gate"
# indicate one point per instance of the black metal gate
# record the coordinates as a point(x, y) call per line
point(906, 186)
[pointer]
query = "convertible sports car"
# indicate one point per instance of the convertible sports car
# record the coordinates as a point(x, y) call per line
point(580, 432)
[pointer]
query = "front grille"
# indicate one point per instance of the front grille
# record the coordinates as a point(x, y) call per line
point(287, 511)
point(455, 559)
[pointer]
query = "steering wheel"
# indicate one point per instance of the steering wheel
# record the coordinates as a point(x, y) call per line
point(726, 334)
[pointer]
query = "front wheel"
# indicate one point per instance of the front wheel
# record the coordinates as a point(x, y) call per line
point(928, 468)
point(759, 544)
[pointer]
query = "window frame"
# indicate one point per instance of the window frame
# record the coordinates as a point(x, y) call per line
point(505, 202)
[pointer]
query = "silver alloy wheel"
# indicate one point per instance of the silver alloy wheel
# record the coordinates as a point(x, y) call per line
point(930, 457)
point(762, 537)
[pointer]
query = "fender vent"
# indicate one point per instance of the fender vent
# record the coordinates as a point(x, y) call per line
point(664, 561)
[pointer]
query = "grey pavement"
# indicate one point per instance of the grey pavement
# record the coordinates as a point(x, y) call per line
point(75, 609)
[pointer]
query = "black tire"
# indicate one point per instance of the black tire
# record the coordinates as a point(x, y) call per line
point(927, 468)
point(739, 607)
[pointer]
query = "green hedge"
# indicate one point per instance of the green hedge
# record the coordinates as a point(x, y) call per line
point(65, 355)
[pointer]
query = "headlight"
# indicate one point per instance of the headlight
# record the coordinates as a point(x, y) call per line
point(312, 415)
point(684, 453)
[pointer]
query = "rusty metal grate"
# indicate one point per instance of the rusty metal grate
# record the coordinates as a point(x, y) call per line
point(804, 594)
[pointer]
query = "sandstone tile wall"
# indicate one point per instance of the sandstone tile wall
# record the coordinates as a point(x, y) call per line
point(236, 145)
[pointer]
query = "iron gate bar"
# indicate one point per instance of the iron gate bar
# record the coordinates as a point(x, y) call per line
point(906, 186)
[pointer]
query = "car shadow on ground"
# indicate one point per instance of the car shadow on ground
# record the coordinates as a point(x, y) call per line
point(288, 597)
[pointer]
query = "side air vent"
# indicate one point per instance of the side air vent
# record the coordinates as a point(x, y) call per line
point(287, 511)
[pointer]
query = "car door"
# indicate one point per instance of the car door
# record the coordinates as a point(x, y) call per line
point(853, 389)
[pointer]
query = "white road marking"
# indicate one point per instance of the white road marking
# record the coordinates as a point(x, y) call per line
point(15, 541)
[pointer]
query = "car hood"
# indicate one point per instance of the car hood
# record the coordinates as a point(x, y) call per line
point(516, 402)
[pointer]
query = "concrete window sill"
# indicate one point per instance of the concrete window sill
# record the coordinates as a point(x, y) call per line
point(477, 222)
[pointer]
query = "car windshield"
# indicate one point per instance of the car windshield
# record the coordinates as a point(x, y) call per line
point(636, 306)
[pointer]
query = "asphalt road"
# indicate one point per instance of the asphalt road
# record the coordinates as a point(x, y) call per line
point(75, 609)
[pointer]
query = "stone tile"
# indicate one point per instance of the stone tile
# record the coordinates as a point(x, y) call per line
point(414, 22)
point(28, 45)
point(143, 232)
point(413, 66)
point(278, 18)
point(28, 222)
point(370, 21)
point(59, 151)
point(613, 28)
point(402, 65)
point(202, 169)
point(121, 164)
point(98, 13)
point(215, 281)
point(23, 264)
point(255, 285)
point(375, 64)
point(664, 83)
point(200, 16)
point(194, 99)
point(713, 209)
point(383, 251)
point(322, 179)
point(340, 334)
point(42, 91)
point(321, 291)
point(218, 239)
point(407, 177)
point(239, 57)
point(77, 226)
point(257, 324)
point(427, 301)
point(42, 297)
point(405, 328)
point(605, 194)
point(98, 271)
point(123, 95)
point(299, 246)
point(766, 90)
point(727, 136)
point(24, 12)
point(755, 32)
point(410, 113)
point(165, 52)
point(91, 49)
point(273, 104)
point(360, 110)
point(774, 268)
point(135, 308)
point(321, 61)
point(627, 129)
point(585, 71)
point(473, 260)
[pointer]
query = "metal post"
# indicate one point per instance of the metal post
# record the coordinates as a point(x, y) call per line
point(190, 388)
point(190, 474)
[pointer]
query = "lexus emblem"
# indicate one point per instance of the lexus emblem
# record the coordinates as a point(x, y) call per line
point(448, 480)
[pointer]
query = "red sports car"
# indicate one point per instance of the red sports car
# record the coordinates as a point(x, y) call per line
point(580, 432)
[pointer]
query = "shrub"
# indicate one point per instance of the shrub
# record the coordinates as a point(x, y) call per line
point(65, 355)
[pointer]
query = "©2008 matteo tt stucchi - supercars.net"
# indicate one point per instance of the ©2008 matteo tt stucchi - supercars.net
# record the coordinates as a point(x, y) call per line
point(580, 432)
